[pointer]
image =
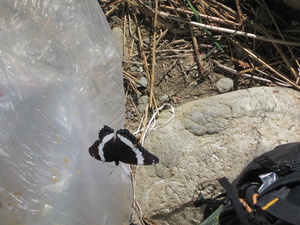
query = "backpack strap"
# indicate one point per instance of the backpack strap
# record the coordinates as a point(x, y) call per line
point(213, 219)
point(233, 196)
point(280, 208)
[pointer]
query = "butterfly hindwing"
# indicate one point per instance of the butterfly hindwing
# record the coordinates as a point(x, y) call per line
point(103, 149)
point(124, 147)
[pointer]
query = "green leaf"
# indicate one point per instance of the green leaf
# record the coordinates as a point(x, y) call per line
point(209, 34)
point(196, 14)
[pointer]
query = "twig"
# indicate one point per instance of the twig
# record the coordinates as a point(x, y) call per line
point(197, 52)
point(152, 101)
point(132, 80)
point(235, 72)
point(211, 18)
point(226, 30)
point(239, 12)
point(124, 36)
point(278, 48)
point(255, 57)
point(146, 68)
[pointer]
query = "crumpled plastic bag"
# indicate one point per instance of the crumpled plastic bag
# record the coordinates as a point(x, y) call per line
point(60, 82)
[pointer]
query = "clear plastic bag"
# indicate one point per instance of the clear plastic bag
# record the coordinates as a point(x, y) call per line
point(60, 82)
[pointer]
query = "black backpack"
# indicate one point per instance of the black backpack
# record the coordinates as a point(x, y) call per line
point(266, 192)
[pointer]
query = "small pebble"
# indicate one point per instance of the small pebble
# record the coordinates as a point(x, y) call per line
point(133, 68)
point(129, 115)
point(142, 82)
point(164, 98)
point(224, 85)
point(141, 108)
point(143, 100)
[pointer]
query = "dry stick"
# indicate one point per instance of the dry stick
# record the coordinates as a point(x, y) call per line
point(113, 3)
point(239, 10)
point(146, 68)
point(218, 8)
point(130, 77)
point(197, 52)
point(111, 11)
point(152, 98)
point(124, 36)
point(131, 48)
point(287, 62)
point(162, 35)
point(211, 18)
point(174, 57)
point(115, 6)
point(133, 62)
point(258, 67)
point(131, 35)
point(235, 72)
point(142, 7)
point(255, 57)
point(136, 205)
point(298, 78)
point(132, 81)
point(225, 30)
point(179, 53)
point(224, 7)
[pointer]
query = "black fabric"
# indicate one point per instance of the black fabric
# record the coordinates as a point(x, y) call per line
point(234, 198)
point(278, 204)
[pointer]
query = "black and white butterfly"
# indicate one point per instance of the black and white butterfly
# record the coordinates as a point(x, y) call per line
point(123, 147)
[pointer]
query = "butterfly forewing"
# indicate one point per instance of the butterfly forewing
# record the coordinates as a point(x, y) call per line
point(131, 152)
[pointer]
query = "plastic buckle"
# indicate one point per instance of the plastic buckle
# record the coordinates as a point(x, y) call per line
point(285, 169)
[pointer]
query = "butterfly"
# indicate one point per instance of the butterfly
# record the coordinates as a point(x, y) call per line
point(122, 147)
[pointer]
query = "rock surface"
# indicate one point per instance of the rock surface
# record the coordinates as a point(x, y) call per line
point(208, 139)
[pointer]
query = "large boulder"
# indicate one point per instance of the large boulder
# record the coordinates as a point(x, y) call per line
point(208, 139)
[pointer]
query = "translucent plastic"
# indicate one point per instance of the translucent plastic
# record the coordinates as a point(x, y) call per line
point(60, 82)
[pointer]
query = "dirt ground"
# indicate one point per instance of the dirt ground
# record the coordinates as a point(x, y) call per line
point(186, 57)
point(177, 82)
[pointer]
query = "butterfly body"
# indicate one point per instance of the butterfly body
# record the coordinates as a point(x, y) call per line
point(122, 147)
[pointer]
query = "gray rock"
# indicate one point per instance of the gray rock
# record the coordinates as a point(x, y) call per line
point(224, 85)
point(164, 98)
point(210, 138)
point(141, 108)
point(133, 68)
point(142, 82)
point(129, 115)
point(142, 102)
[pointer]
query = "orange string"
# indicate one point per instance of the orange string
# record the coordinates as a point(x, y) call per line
point(254, 198)
point(246, 206)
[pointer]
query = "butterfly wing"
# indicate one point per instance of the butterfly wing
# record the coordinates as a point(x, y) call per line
point(104, 149)
point(131, 152)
